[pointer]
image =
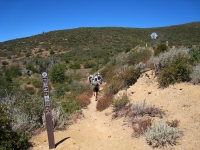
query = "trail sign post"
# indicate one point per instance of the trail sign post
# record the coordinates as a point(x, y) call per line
point(48, 115)
point(153, 37)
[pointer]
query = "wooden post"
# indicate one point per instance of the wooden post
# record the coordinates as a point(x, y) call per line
point(48, 115)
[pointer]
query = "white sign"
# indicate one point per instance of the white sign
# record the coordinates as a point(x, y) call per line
point(44, 74)
point(154, 35)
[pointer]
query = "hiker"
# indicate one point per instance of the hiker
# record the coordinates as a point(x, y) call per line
point(99, 77)
point(90, 79)
point(96, 87)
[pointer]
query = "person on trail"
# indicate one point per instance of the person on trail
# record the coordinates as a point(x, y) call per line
point(90, 79)
point(99, 77)
point(96, 87)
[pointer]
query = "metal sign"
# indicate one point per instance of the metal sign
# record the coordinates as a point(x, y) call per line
point(154, 35)
point(47, 108)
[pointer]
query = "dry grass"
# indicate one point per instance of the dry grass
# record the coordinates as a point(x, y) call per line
point(140, 125)
point(173, 123)
point(85, 98)
point(104, 101)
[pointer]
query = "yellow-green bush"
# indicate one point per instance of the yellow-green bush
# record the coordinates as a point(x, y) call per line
point(176, 71)
point(119, 103)
point(160, 49)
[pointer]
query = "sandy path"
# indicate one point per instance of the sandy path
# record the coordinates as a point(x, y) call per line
point(95, 131)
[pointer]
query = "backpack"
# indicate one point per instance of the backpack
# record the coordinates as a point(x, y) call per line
point(99, 77)
point(95, 84)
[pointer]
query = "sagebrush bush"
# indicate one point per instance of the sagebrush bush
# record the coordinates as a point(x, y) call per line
point(165, 58)
point(140, 109)
point(59, 118)
point(195, 74)
point(177, 71)
point(25, 109)
point(119, 103)
point(121, 69)
point(160, 134)
point(10, 138)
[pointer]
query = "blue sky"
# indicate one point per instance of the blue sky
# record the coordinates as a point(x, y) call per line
point(23, 18)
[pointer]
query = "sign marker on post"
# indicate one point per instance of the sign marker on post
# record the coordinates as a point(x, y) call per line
point(48, 115)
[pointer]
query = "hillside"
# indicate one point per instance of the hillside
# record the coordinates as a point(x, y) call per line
point(98, 131)
point(122, 58)
point(105, 38)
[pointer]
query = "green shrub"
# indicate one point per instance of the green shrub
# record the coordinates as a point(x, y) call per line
point(66, 59)
point(119, 103)
point(52, 52)
point(31, 67)
point(161, 134)
point(138, 56)
point(59, 91)
point(165, 58)
point(70, 104)
point(11, 139)
point(195, 55)
point(57, 73)
point(160, 49)
point(11, 72)
point(115, 84)
point(177, 71)
point(75, 65)
point(130, 76)
point(4, 63)
point(78, 88)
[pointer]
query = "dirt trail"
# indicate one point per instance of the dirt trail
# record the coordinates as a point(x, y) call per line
point(96, 131)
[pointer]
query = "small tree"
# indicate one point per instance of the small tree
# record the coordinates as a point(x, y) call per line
point(57, 73)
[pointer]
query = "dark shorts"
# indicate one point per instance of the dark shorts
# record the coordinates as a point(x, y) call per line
point(96, 89)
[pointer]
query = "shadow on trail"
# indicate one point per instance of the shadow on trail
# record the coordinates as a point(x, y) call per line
point(61, 141)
